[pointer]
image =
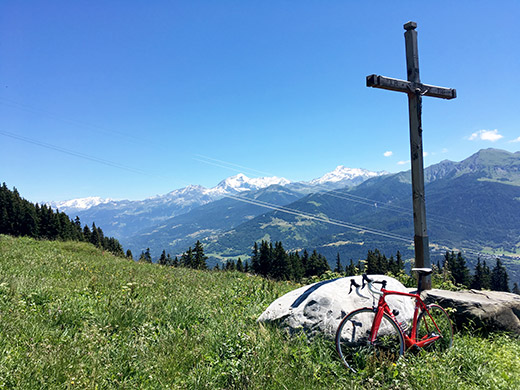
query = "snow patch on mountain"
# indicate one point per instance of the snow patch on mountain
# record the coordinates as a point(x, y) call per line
point(342, 173)
point(241, 183)
point(80, 203)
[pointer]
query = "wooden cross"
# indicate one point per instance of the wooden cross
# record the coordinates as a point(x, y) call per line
point(415, 90)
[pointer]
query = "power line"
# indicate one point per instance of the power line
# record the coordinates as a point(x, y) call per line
point(228, 165)
point(384, 205)
point(73, 153)
point(320, 218)
point(99, 129)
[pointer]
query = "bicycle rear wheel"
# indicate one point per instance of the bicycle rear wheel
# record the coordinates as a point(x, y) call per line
point(353, 340)
point(426, 328)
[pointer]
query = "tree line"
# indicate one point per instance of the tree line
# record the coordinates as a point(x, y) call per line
point(453, 270)
point(274, 262)
point(483, 278)
point(19, 217)
point(192, 258)
point(267, 259)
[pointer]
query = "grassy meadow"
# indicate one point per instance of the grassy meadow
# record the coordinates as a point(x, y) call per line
point(72, 317)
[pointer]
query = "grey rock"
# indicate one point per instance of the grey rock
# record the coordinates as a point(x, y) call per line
point(486, 310)
point(319, 307)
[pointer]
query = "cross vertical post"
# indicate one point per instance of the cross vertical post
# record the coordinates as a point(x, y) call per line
point(421, 241)
point(415, 90)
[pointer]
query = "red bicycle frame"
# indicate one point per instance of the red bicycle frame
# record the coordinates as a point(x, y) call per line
point(410, 340)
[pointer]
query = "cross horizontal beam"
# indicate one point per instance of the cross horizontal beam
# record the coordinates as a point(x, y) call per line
point(391, 84)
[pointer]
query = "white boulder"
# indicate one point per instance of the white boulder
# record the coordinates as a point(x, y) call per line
point(319, 307)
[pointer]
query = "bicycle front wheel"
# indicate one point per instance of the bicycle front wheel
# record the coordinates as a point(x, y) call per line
point(437, 323)
point(353, 340)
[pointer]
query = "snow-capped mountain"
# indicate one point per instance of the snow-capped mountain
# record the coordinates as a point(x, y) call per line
point(79, 204)
point(192, 195)
point(241, 183)
point(343, 176)
point(196, 195)
point(124, 218)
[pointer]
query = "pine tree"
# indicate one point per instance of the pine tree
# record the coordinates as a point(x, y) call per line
point(392, 266)
point(486, 277)
point(457, 266)
point(255, 259)
point(86, 233)
point(265, 258)
point(162, 258)
point(462, 275)
point(383, 263)
point(305, 261)
point(129, 254)
point(399, 264)
point(372, 263)
point(95, 238)
point(339, 268)
point(478, 277)
point(79, 231)
point(66, 229)
point(280, 265)
point(114, 247)
point(187, 259)
point(317, 265)
point(29, 222)
point(5, 222)
point(199, 257)
point(230, 265)
point(351, 269)
point(297, 267)
point(499, 277)
point(240, 265)
point(145, 256)
point(447, 260)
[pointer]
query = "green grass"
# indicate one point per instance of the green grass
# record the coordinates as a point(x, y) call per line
point(73, 317)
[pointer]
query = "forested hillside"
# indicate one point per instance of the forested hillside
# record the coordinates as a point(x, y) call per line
point(19, 217)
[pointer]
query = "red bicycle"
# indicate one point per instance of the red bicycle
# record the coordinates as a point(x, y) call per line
point(374, 333)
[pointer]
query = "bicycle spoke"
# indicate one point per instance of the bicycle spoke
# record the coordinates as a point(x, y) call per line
point(353, 340)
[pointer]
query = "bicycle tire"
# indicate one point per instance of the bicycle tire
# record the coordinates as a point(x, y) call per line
point(354, 347)
point(425, 328)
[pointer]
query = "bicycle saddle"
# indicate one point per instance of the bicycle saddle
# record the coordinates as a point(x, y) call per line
point(423, 271)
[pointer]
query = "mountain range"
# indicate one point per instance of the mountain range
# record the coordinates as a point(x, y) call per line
point(124, 219)
point(472, 205)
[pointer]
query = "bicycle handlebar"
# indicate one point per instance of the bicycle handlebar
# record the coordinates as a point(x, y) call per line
point(369, 283)
point(372, 281)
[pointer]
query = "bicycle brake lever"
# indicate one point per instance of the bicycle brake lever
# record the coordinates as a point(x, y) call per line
point(366, 280)
point(353, 284)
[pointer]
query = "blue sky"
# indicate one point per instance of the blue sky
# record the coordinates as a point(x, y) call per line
point(129, 99)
